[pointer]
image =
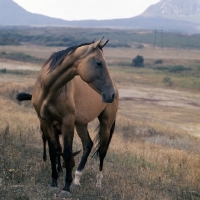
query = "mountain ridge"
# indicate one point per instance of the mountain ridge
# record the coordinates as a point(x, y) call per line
point(13, 14)
point(175, 9)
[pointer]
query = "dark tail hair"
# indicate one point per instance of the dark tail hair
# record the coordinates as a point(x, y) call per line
point(97, 139)
point(23, 97)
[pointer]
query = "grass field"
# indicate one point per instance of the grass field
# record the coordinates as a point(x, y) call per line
point(155, 150)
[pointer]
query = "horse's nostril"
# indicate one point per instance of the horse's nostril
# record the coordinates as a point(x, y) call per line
point(108, 98)
point(113, 95)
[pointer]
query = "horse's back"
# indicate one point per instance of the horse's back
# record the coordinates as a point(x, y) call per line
point(88, 103)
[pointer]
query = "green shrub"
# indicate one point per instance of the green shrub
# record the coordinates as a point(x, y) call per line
point(158, 61)
point(140, 46)
point(20, 56)
point(177, 69)
point(3, 70)
point(138, 61)
point(167, 81)
point(3, 53)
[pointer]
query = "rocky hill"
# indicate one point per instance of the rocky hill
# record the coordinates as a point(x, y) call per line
point(188, 10)
point(170, 15)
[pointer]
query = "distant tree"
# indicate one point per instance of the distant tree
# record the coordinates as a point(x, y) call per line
point(140, 46)
point(138, 61)
point(158, 61)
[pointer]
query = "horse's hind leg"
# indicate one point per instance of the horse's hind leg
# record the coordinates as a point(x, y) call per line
point(58, 132)
point(48, 134)
point(44, 139)
point(53, 157)
point(58, 145)
point(87, 146)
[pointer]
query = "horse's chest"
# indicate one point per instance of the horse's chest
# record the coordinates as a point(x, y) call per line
point(88, 110)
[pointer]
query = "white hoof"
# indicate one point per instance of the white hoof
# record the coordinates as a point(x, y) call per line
point(98, 185)
point(99, 179)
point(75, 182)
point(77, 178)
point(64, 194)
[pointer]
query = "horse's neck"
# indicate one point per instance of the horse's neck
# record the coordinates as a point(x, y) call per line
point(59, 77)
point(54, 80)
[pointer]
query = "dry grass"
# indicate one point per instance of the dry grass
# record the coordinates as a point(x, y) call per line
point(149, 158)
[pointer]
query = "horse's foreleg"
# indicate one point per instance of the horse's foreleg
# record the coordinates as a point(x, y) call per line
point(87, 146)
point(107, 127)
point(104, 138)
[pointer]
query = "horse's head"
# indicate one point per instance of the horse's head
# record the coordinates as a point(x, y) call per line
point(93, 69)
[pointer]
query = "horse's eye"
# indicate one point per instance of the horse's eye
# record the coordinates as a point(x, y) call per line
point(99, 63)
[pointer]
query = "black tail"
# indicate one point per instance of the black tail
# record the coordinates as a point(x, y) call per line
point(97, 139)
point(23, 97)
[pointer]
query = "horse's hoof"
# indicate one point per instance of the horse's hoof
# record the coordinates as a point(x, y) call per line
point(98, 185)
point(54, 190)
point(74, 187)
point(76, 183)
point(64, 194)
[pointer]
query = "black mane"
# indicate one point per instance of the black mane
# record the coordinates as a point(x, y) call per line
point(58, 57)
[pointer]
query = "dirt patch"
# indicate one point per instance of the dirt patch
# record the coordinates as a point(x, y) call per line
point(163, 97)
point(175, 108)
point(19, 66)
point(179, 109)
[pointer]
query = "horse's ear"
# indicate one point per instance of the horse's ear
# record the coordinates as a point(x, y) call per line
point(76, 153)
point(97, 43)
point(104, 44)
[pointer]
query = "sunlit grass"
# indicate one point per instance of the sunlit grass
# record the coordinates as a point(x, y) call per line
point(146, 160)
point(152, 155)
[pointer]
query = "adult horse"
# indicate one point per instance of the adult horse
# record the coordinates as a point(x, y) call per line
point(72, 89)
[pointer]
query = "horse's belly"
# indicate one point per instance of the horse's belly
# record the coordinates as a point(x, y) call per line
point(86, 114)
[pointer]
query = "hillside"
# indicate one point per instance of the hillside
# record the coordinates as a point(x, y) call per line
point(175, 9)
point(13, 14)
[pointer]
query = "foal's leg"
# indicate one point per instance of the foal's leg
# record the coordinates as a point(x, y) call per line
point(87, 146)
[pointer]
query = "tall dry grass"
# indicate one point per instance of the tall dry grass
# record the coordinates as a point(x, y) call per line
point(146, 160)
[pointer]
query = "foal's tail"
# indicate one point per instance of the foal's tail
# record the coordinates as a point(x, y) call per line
point(97, 139)
point(23, 96)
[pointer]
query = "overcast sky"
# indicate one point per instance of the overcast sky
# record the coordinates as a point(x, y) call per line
point(87, 9)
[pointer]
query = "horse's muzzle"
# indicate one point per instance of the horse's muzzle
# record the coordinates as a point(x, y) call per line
point(108, 98)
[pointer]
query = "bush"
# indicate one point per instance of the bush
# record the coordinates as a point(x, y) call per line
point(3, 70)
point(158, 61)
point(167, 81)
point(177, 69)
point(3, 53)
point(138, 61)
point(20, 56)
point(140, 46)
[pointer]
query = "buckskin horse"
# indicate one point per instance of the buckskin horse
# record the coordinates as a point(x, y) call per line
point(73, 88)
